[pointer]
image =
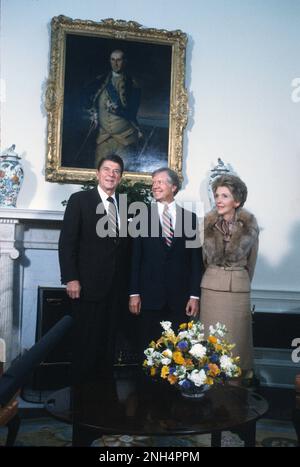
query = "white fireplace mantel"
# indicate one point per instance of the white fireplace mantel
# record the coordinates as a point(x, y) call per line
point(28, 241)
point(30, 214)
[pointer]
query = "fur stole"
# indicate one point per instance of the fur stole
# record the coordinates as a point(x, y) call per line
point(244, 235)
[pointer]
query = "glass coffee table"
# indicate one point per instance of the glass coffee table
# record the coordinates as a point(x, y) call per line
point(128, 402)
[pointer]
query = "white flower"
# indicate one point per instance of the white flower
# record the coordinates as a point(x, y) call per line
point(226, 363)
point(182, 335)
point(197, 339)
point(180, 372)
point(166, 325)
point(198, 351)
point(228, 366)
point(166, 361)
point(149, 351)
point(196, 333)
point(220, 329)
point(152, 356)
point(167, 353)
point(197, 377)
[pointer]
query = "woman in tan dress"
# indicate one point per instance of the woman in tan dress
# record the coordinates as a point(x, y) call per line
point(229, 251)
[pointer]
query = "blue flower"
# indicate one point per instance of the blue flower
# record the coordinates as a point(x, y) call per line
point(186, 384)
point(183, 345)
point(172, 370)
point(214, 358)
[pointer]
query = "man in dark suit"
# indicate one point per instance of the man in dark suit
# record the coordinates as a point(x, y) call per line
point(93, 267)
point(166, 264)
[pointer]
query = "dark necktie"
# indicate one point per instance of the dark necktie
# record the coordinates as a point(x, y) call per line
point(167, 228)
point(113, 224)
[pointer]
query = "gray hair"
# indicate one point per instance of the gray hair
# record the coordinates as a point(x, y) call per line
point(172, 175)
point(235, 185)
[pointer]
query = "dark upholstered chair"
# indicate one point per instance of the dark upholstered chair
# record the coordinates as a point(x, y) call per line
point(296, 412)
point(9, 416)
point(14, 377)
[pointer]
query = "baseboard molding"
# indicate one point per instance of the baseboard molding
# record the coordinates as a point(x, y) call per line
point(275, 368)
point(276, 301)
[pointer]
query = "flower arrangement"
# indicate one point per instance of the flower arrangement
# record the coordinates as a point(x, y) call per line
point(189, 360)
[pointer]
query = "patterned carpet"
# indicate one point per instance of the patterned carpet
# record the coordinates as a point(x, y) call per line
point(46, 431)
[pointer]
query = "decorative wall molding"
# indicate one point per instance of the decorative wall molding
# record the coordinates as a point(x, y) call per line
point(8, 305)
point(276, 301)
point(31, 214)
point(275, 368)
point(43, 236)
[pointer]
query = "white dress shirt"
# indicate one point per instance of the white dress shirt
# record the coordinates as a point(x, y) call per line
point(172, 211)
point(104, 197)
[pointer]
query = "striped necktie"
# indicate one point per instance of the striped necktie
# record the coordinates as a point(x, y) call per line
point(113, 224)
point(167, 228)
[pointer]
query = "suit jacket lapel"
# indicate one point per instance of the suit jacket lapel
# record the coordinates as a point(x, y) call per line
point(97, 201)
point(96, 198)
point(178, 231)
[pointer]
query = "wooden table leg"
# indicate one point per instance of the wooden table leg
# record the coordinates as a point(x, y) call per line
point(13, 428)
point(83, 436)
point(296, 422)
point(250, 434)
point(247, 433)
point(216, 439)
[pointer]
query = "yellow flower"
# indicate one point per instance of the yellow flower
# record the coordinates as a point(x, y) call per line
point(167, 353)
point(189, 362)
point(190, 324)
point(218, 347)
point(164, 372)
point(183, 326)
point(212, 339)
point(145, 363)
point(203, 360)
point(213, 369)
point(172, 379)
point(171, 337)
point(159, 342)
point(230, 346)
point(178, 358)
point(209, 381)
point(153, 371)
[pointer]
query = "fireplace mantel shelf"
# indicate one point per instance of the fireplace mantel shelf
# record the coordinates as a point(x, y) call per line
point(31, 214)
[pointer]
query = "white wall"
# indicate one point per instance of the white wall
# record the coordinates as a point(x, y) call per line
point(242, 56)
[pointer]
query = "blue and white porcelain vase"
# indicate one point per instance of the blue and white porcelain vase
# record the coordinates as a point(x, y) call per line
point(194, 392)
point(11, 177)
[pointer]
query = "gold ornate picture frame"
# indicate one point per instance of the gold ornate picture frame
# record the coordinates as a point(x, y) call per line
point(152, 98)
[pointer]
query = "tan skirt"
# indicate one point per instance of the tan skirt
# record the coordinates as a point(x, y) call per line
point(234, 310)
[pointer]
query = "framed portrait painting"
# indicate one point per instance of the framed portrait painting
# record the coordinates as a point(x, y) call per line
point(114, 87)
